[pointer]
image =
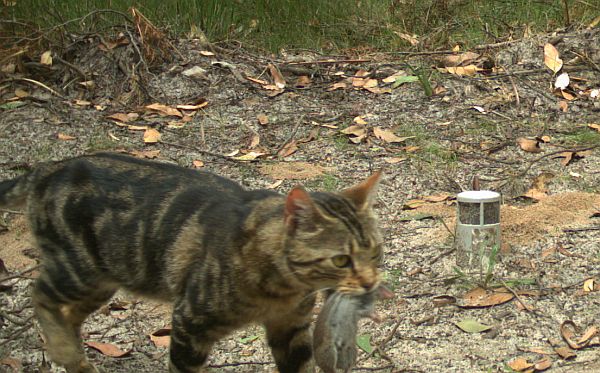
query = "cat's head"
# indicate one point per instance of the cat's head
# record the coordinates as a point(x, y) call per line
point(333, 238)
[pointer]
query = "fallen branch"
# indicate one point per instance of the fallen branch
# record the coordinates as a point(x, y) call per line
point(20, 274)
point(36, 83)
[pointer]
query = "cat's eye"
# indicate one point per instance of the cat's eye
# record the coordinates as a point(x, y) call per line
point(341, 261)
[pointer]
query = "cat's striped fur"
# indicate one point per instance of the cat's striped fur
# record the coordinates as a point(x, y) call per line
point(224, 256)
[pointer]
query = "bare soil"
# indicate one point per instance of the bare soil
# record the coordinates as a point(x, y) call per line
point(550, 246)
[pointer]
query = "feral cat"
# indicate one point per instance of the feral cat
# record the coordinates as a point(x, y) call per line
point(334, 340)
point(224, 256)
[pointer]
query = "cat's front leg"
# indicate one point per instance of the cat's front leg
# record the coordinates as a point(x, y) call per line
point(290, 339)
point(192, 338)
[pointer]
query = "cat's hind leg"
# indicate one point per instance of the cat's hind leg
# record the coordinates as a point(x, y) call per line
point(60, 308)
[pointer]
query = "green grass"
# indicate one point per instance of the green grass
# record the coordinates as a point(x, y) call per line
point(581, 137)
point(317, 24)
point(325, 183)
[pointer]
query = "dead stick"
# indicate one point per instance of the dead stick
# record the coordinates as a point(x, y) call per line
point(525, 305)
point(20, 274)
point(328, 62)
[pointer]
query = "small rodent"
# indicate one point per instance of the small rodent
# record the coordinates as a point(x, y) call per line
point(334, 337)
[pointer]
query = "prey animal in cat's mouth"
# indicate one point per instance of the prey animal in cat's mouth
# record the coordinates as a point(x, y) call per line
point(222, 255)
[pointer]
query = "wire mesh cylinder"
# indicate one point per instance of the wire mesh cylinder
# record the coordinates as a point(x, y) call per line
point(477, 231)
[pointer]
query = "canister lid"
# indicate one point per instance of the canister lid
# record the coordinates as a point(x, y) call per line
point(478, 196)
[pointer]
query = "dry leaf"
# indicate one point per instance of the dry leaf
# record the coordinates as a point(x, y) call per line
point(82, 103)
point(303, 81)
point(254, 141)
point(334, 86)
point(20, 93)
point(277, 77)
point(164, 110)
point(193, 106)
point(161, 337)
point(360, 120)
point(46, 58)
point(198, 163)
point(151, 136)
point(275, 184)
point(587, 336)
point(594, 126)
point(258, 81)
point(288, 149)
point(207, 53)
point(520, 364)
point(357, 130)
point(150, 154)
point(263, 119)
point(443, 300)
point(565, 352)
point(479, 297)
point(543, 364)
point(529, 145)
point(412, 39)
point(588, 285)
point(394, 160)
point(567, 95)
point(107, 349)
point(413, 204)
point(388, 136)
point(121, 117)
point(249, 156)
point(13, 363)
point(468, 70)
point(137, 128)
point(551, 58)
point(567, 331)
point(64, 137)
point(437, 197)
point(547, 252)
point(459, 59)
point(563, 106)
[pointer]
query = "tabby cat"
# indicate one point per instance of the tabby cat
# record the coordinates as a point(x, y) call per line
point(224, 256)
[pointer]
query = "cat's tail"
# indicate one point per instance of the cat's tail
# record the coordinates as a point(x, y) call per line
point(13, 193)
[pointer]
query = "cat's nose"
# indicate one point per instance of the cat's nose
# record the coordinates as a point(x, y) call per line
point(368, 286)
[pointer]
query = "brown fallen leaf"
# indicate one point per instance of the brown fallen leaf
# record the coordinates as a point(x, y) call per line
point(15, 365)
point(164, 110)
point(443, 300)
point(413, 204)
point(254, 141)
point(565, 352)
point(303, 81)
point(543, 364)
point(250, 156)
point(258, 81)
point(594, 126)
point(388, 136)
point(394, 160)
point(568, 329)
point(64, 137)
point(277, 77)
point(588, 285)
point(274, 184)
point(551, 58)
point(161, 337)
point(529, 145)
point(124, 118)
point(563, 106)
point(568, 156)
point(288, 149)
point(440, 197)
point(150, 154)
point(459, 59)
point(263, 119)
point(468, 70)
point(151, 136)
point(197, 163)
point(520, 364)
point(107, 349)
point(335, 86)
point(479, 297)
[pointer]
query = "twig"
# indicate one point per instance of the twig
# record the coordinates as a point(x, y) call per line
point(13, 211)
point(291, 136)
point(389, 337)
point(525, 305)
point(376, 369)
point(20, 274)
point(36, 83)
point(595, 228)
point(71, 66)
point(328, 62)
point(18, 332)
point(445, 253)
point(241, 363)
point(446, 226)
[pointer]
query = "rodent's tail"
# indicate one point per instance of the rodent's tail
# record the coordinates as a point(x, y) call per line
point(13, 193)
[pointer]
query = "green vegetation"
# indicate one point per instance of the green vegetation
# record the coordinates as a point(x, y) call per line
point(316, 24)
point(582, 137)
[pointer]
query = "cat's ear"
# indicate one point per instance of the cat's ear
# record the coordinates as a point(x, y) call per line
point(363, 194)
point(300, 210)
